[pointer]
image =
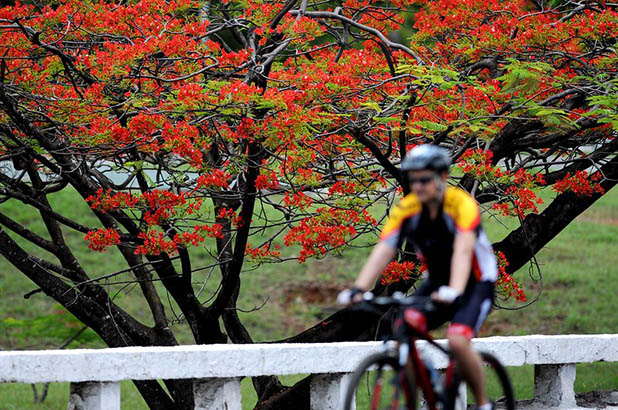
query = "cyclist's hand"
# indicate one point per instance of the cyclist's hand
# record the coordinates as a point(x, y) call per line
point(349, 296)
point(446, 294)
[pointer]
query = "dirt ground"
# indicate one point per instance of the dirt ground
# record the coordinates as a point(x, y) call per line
point(607, 400)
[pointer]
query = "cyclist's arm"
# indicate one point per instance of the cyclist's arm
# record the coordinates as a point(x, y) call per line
point(380, 257)
point(461, 262)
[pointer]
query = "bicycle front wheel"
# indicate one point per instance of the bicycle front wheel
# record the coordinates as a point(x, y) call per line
point(379, 383)
point(497, 386)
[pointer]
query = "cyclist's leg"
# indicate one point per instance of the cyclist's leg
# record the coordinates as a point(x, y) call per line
point(476, 304)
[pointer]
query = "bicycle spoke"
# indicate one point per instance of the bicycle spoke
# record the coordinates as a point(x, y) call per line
point(379, 383)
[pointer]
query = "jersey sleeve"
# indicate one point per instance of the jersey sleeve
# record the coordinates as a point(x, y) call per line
point(468, 215)
point(392, 231)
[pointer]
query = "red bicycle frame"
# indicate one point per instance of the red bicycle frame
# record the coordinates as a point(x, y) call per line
point(421, 373)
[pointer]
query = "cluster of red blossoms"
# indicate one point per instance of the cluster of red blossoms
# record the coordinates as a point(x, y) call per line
point(298, 199)
point(506, 285)
point(262, 253)
point(477, 163)
point(215, 180)
point(522, 201)
point(519, 197)
point(396, 272)
point(342, 188)
point(581, 184)
point(267, 180)
point(106, 201)
point(329, 229)
point(102, 238)
point(155, 242)
point(230, 214)
point(161, 206)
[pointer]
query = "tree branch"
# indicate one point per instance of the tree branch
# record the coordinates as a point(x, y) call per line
point(537, 230)
point(383, 39)
point(27, 234)
point(386, 164)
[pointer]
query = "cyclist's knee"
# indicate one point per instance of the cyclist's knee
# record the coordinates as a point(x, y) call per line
point(416, 319)
point(459, 336)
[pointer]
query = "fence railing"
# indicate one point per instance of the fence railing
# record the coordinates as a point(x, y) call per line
point(217, 369)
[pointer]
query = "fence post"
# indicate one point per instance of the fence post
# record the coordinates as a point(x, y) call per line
point(217, 394)
point(94, 396)
point(327, 391)
point(553, 385)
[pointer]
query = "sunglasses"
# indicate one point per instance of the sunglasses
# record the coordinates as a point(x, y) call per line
point(421, 180)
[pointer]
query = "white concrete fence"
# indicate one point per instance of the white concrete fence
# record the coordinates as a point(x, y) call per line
point(217, 369)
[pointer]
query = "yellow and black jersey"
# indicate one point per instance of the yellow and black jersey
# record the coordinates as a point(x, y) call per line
point(434, 239)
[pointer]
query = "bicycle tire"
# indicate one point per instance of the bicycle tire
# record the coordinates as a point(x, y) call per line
point(497, 384)
point(378, 383)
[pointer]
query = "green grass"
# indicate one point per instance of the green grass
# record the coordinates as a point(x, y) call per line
point(578, 296)
point(22, 396)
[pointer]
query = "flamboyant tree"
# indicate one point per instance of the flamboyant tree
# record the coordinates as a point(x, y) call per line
point(243, 127)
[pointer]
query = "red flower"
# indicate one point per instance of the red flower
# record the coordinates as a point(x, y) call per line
point(581, 184)
point(506, 284)
point(396, 272)
point(101, 239)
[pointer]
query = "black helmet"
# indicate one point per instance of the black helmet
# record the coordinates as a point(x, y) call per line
point(427, 156)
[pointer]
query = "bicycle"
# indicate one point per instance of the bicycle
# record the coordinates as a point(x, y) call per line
point(390, 379)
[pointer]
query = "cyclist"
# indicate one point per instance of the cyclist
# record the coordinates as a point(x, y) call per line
point(444, 224)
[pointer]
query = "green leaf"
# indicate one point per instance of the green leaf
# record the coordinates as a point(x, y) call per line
point(612, 121)
point(384, 120)
point(432, 126)
point(413, 130)
point(548, 111)
point(372, 105)
point(523, 76)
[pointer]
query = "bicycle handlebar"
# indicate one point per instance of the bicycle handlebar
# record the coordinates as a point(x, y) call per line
point(398, 299)
point(380, 304)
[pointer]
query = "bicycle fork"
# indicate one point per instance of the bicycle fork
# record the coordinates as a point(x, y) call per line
point(398, 381)
point(431, 390)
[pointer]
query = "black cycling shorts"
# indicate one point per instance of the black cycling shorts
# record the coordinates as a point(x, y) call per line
point(475, 304)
